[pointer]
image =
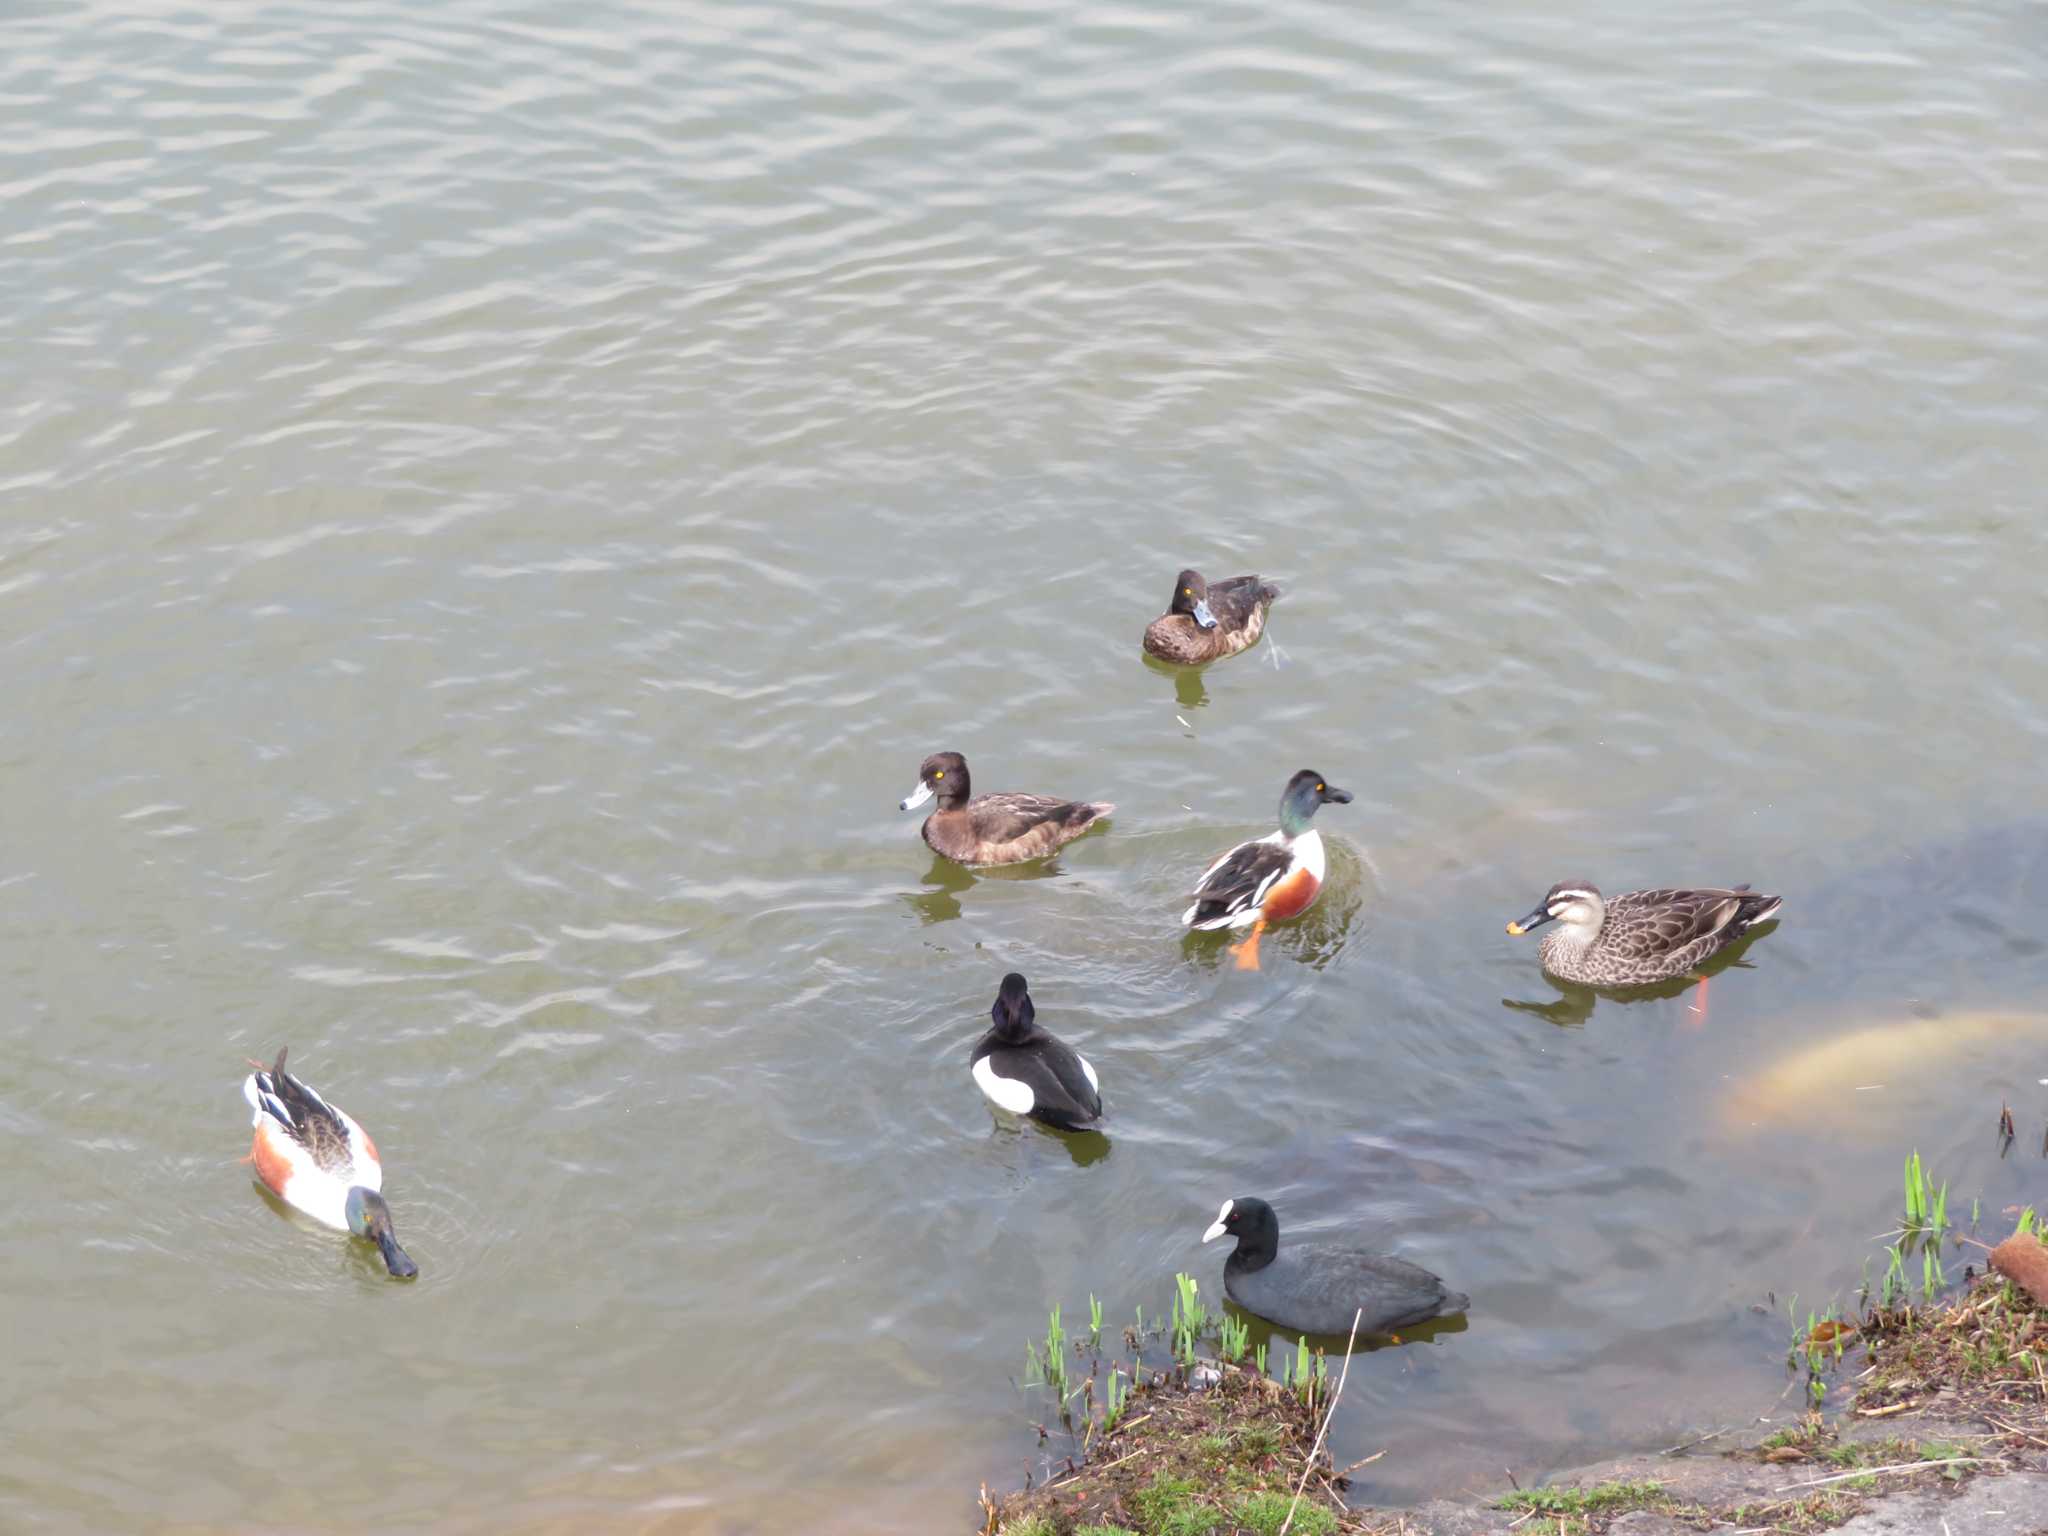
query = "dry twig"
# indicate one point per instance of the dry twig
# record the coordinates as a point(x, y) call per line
point(1328, 1413)
point(1897, 1466)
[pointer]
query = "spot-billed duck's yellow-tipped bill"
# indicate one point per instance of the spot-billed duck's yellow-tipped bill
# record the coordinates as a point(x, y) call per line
point(1517, 929)
point(917, 797)
point(1216, 1227)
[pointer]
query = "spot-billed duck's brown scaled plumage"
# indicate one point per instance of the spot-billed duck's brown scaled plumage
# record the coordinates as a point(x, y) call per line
point(1206, 623)
point(1640, 937)
point(994, 829)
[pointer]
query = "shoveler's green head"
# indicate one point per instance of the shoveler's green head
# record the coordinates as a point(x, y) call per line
point(1304, 793)
point(369, 1216)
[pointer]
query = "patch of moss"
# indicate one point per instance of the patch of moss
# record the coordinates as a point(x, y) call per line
point(1264, 1513)
point(1190, 1520)
point(1255, 1442)
point(1601, 1498)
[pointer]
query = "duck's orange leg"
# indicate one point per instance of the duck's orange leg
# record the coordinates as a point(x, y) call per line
point(1247, 954)
point(1699, 1004)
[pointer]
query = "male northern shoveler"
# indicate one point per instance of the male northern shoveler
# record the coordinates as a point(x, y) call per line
point(1204, 623)
point(1639, 937)
point(1268, 879)
point(994, 829)
point(313, 1157)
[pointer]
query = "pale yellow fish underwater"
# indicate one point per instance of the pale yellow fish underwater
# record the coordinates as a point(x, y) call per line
point(1884, 1064)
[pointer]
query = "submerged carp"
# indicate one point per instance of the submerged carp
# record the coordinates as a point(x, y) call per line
point(1896, 1063)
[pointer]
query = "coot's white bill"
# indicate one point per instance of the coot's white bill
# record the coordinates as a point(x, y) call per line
point(1216, 1229)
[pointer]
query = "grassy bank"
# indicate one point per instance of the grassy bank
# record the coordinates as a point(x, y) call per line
point(1174, 1428)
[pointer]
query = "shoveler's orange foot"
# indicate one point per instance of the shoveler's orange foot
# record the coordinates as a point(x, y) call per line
point(1247, 954)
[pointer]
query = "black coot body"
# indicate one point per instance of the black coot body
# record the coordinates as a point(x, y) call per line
point(1312, 1288)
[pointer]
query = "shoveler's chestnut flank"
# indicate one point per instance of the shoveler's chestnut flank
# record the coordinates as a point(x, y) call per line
point(1268, 879)
point(1204, 623)
point(994, 829)
point(316, 1159)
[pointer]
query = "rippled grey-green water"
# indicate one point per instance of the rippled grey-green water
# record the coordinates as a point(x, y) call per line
point(497, 500)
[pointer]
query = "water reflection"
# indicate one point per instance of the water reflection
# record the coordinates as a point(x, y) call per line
point(1573, 1005)
point(1084, 1148)
point(1284, 1342)
point(1189, 691)
point(951, 881)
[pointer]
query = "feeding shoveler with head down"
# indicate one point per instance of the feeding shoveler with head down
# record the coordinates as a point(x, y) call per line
point(1272, 878)
point(316, 1159)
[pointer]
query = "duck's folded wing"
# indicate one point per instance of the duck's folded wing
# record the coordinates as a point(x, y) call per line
point(1076, 1080)
point(1234, 600)
point(1006, 817)
point(307, 1119)
point(1663, 922)
point(1239, 880)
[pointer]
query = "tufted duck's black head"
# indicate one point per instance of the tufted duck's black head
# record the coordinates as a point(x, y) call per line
point(1013, 1011)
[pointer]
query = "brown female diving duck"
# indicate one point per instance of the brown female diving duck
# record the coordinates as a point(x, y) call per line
point(994, 829)
point(1205, 623)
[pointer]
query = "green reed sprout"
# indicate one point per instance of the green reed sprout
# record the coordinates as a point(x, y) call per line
point(1235, 1336)
point(1115, 1399)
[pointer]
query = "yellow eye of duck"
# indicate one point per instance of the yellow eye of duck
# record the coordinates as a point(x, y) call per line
point(940, 774)
point(1187, 591)
point(1319, 789)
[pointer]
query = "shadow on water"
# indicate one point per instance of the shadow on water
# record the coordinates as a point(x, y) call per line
point(1573, 1005)
point(950, 881)
point(1282, 1341)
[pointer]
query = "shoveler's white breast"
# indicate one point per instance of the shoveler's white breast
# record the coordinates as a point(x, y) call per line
point(1308, 854)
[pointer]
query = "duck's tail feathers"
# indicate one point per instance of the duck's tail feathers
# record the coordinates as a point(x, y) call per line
point(262, 1101)
point(1757, 909)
